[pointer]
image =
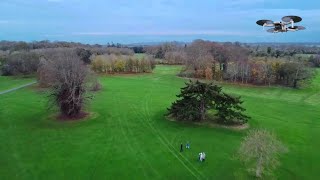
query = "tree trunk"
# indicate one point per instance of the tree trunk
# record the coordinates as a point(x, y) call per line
point(214, 70)
point(295, 81)
point(224, 67)
point(202, 111)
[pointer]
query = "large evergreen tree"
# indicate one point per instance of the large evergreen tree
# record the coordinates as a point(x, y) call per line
point(197, 98)
point(230, 110)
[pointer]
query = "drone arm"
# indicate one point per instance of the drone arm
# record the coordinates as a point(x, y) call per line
point(292, 23)
point(269, 25)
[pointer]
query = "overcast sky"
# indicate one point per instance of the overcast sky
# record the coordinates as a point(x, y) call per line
point(129, 21)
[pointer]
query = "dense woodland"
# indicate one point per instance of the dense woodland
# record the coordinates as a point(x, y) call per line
point(261, 64)
point(242, 63)
point(21, 58)
point(122, 64)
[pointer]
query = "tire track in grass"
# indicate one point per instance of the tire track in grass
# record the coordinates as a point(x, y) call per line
point(141, 154)
point(131, 148)
point(141, 117)
point(97, 159)
point(14, 89)
point(148, 119)
point(165, 144)
point(137, 149)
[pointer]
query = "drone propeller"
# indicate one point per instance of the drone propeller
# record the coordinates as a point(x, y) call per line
point(264, 22)
point(295, 19)
point(292, 20)
point(272, 30)
point(297, 28)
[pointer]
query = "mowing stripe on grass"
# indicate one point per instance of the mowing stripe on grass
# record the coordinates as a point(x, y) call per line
point(147, 112)
point(14, 89)
point(146, 116)
point(154, 131)
point(160, 134)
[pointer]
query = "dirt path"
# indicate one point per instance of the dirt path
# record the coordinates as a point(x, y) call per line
point(14, 89)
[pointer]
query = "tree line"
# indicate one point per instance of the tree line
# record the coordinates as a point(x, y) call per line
point(281, 50)
point(25, 62)
point(122, 64)
point(240, 63)
point(12, 46)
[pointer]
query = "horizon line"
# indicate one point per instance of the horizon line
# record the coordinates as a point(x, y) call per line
point(160, 42)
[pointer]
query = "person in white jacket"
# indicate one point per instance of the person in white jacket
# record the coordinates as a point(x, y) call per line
point(200, 156)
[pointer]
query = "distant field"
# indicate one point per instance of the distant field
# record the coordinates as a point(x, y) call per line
point(7, 82)
point(128, 137)
point(139, 55)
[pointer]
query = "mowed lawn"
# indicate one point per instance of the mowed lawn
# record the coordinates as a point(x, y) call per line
point(128, 137)
point(8, 82)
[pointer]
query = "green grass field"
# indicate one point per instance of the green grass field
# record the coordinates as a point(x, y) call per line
point(139, 55)
point(127, 136)
point(7, 82)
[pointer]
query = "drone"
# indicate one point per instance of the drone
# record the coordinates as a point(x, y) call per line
point(287, 24)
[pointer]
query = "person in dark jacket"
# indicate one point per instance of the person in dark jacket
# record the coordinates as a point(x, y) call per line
point(181, 147)
point(188, 145)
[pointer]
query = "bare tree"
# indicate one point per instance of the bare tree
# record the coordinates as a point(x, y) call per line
point(260, 151)
point(67, 76)
point(208, 73)
point(233, 71)
point(20, 63)
point(122, 64)
point(175, 57)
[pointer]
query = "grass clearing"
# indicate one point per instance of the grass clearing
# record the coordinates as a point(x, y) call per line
point(139, 55)
point(9, 82)
point(128, 137)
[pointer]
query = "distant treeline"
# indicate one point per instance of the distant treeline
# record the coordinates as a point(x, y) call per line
point(25, 62)
point(256, 49)
point(287, 65)
point(12, 46)
point(21, 45)
point(241, 63)
point(122, 64)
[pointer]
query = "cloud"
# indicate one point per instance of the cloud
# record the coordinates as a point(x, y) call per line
point(281, 12)
point(245, 2)
point(169, 33)
point(54, 35)
point(55, 1)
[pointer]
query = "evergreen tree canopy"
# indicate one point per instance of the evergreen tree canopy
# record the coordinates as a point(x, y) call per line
point(229, 110)
point(197, 98)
